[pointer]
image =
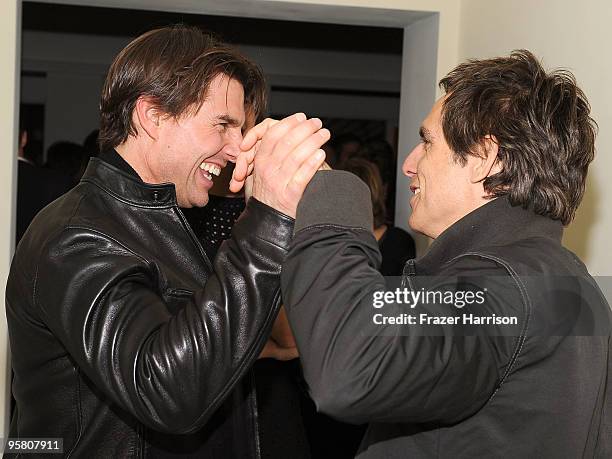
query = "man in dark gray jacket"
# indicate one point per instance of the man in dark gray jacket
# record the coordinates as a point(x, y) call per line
point(525, 372)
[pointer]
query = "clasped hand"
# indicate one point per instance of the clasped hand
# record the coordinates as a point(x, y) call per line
point(278, 160)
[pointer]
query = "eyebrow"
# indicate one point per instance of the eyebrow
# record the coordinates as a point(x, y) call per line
point(425, 134)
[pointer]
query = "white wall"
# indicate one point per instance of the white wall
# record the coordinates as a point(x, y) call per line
point(9, 90)
point(418, 95)
point(575, 35)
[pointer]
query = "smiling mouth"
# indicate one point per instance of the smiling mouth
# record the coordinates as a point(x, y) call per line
point(415, 189)
point(212, 169)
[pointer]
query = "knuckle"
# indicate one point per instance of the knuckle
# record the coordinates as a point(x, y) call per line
point(297, 183)
point(287, 142)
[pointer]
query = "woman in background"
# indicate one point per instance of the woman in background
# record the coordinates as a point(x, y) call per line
point(396, 245)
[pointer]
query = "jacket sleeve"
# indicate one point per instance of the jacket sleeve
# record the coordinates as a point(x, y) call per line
point(171, 372)
point(359, 371)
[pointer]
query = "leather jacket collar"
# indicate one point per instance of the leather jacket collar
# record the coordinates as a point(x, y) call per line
point(128, 188)
point(113, 158)
point(495, 223)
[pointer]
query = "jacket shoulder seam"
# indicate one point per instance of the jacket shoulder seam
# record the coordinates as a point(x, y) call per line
point(93, 231)
point(59, 231)
point(106, 236)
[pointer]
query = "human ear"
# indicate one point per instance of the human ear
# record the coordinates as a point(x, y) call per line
point(147, 116)
point(485, 163)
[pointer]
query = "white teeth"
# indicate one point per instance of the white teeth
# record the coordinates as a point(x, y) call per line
point(417, 191)
point(212, 168)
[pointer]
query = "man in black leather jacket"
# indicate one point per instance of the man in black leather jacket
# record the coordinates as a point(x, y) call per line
point(126, 339)
point(500, 169)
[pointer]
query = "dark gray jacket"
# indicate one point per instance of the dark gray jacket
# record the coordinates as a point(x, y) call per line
point(126, 339)
point(544, 390)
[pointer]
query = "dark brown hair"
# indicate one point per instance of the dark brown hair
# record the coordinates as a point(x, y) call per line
point(369, 173)
point(175, 66)
point(540, 121)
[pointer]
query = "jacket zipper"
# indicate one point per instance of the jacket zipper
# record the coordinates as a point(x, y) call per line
point(195, 240)
point(252, 396)
point(140, 436)
point(408, 273)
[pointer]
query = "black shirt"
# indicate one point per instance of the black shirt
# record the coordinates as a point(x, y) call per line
point(115, 159)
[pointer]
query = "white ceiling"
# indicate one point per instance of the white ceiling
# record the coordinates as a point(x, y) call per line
point(269, 9)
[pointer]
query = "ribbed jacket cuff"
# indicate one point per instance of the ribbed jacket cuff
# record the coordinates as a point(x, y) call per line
point(335, 198)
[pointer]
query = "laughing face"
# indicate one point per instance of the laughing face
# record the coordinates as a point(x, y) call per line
point(195, 147)
point(443, 189)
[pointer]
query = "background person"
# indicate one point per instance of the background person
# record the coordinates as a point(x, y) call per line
point(381, 153)
point(68, 159)
point(36, 186)
point(396, 245)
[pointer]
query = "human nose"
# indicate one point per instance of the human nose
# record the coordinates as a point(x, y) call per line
point(409, 168)
point(231, 150)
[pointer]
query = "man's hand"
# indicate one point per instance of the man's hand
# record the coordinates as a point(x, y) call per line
point(244, 163)
point(282, 156)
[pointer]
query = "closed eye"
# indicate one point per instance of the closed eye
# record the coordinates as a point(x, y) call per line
point(226, 121)
point(223, 126)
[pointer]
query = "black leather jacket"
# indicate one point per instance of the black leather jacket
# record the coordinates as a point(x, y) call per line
point(125, 338)
point(544, 390)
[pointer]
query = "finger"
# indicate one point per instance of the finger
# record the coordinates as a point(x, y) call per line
point(304, 174)
point(257, 132)
point(294, 137)
point(277, 132)
point(236, 185)
point(293, 161)
point(244, 160)
point(248, 188)
point(242, 169)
